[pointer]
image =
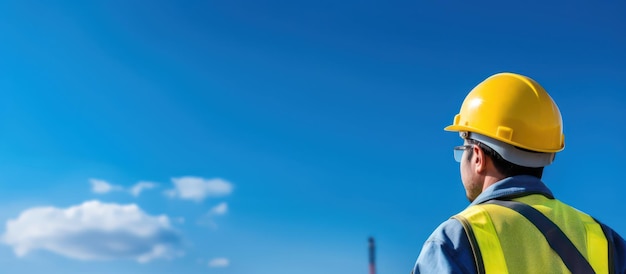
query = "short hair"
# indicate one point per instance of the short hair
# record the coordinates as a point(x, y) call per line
point(503, 166)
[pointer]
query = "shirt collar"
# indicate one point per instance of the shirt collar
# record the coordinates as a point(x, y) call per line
point(513, 187)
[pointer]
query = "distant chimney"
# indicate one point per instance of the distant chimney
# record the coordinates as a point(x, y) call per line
point(372, 253)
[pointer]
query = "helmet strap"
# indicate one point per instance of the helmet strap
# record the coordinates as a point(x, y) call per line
point(512, 153)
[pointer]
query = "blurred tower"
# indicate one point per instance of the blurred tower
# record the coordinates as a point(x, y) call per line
point(372, 253)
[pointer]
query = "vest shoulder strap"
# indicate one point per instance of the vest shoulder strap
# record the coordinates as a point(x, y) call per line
point(558, 241)
point(611, 247)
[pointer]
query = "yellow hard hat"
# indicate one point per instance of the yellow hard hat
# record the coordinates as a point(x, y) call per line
point(513, 109)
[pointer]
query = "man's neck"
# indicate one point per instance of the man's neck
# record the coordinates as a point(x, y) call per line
point(491, 179)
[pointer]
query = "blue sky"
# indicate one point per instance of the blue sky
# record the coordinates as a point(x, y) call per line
point(277, 136)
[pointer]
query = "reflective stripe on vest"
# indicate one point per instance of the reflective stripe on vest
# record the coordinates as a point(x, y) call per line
point(503, 241)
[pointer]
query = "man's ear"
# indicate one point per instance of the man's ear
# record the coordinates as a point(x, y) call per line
point(480, 159)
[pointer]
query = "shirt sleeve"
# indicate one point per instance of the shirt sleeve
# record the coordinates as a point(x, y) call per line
point(447, 250)
point(619, 253)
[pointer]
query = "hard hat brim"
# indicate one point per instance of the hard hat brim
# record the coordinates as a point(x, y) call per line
point(458, 128)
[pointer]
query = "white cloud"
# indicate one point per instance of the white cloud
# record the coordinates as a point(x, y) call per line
point(207, 219)
point(102, 186)
point(197, 189)
point(219, 209)
point(219, 262)
point(93, 231)
point(141, 186)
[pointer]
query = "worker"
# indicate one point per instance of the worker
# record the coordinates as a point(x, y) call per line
point(511, 129)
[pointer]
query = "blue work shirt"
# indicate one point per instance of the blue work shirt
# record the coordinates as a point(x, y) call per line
point(448, 250)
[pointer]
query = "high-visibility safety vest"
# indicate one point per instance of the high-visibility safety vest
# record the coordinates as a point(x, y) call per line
point(504, 240)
